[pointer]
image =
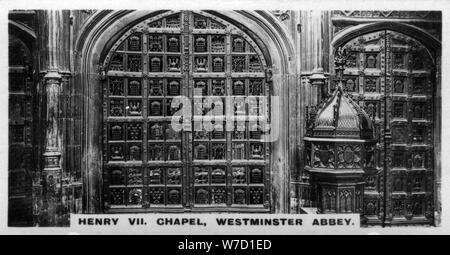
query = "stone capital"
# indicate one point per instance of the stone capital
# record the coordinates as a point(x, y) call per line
point(52, 77)
point(317, 76)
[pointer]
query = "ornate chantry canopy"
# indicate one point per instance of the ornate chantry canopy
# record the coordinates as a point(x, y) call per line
point(341, 117)
point(339, 151)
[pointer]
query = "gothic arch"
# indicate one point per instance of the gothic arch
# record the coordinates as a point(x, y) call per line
point(22, 31)
point(431, 42)
point(433, 48)
point(95, 38)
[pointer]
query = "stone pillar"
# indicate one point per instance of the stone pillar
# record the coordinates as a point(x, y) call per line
point(54, 50)
point(312, 49)
point(52, 156)
point(318, 89)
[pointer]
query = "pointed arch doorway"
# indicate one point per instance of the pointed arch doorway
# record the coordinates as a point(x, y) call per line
point(393, 76)
point(147, 166)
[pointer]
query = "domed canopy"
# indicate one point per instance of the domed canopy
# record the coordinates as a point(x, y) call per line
point(341, 117)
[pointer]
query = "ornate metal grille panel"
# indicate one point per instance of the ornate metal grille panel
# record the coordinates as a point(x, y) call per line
point(149, 165)
point(392, 75)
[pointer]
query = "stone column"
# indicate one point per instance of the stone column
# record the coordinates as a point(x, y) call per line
point(52, 156)
point(318, 89)
point(312, 49)
point(54, 62)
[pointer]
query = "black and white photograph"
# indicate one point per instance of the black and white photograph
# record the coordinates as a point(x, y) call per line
point(178, 117)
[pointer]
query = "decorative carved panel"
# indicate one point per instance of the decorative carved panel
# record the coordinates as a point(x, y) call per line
point(349, 156)
point(238, 64)
point(351, 84)
point(323, 156)
point(135, 43)
point(218, 44)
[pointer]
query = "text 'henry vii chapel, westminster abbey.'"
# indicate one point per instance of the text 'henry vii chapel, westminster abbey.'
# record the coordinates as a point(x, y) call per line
point(286, 111)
